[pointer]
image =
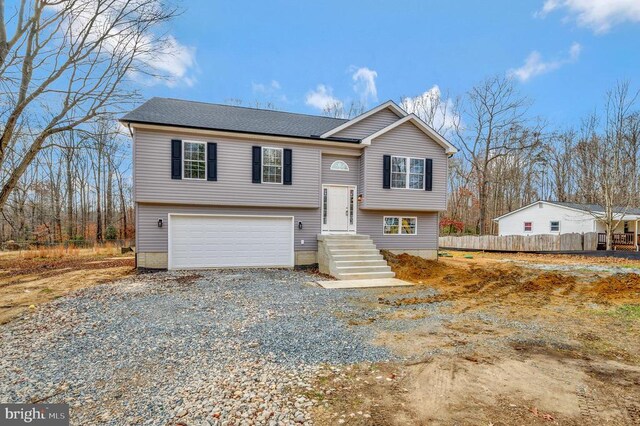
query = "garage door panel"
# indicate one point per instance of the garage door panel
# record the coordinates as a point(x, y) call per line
point(225, 241)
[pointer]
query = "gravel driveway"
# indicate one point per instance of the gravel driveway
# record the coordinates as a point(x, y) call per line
point(214, 347)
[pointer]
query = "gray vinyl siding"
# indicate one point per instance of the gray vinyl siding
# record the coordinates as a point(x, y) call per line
point(154, 239)
point(339, 177)
point(369, 125)
point(153, 183)
point(371, 223)
point(409, 141)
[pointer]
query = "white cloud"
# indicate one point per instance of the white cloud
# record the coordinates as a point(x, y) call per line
point(175, 61)
point(535, 65)
point(437, 112)
point(322, 98)
point(269, 88)
point(599, 15)
point(157, 59)
point(365, 84)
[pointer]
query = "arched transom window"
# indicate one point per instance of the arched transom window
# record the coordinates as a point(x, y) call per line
point(340, 165)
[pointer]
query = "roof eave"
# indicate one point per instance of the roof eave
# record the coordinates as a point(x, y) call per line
point(339, 141)
point(389, 104)
point(449, 148)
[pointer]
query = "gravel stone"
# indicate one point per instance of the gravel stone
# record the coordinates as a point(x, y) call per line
point(212, 347)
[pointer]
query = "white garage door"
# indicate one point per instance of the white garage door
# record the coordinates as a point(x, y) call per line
point(229, 241)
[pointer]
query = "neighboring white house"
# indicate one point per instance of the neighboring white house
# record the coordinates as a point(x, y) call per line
point(553, 217)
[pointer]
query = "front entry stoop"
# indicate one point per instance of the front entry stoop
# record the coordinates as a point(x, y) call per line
point(351, 257)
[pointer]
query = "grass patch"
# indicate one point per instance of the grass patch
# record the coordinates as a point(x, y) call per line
point(46, 290)
point(631, 312)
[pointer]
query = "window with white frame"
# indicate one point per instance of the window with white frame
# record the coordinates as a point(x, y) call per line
point(195, 163)
point(528, 226)
point(271, 165)
point(407, 172)
point(395, 225)
point(554, 226)
point(339, 165)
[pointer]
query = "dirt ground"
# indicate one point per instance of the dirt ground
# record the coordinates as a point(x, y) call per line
point(525, 339)
point(30, 278)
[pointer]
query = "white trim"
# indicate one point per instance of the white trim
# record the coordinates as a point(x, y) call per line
point(389, 104)
point(205, 159)
point(293, 231)
point(449, 148)
point(281, 164)
point(400, 224)
point(339, 162)
point(355, 209)
point(408, 166)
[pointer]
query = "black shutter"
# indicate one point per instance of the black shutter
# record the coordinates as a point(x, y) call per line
point(257, 165)
point(386, 171)
point(176, 159)
point(287, 161)
point(428, 174)
point(212, 161)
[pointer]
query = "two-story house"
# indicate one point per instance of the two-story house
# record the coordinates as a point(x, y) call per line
point(226, 186)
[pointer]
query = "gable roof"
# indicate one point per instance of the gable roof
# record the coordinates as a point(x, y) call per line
point(594, 207)
point(389, 104)
point(449, 148)
point(200, 115)
point(583, 207)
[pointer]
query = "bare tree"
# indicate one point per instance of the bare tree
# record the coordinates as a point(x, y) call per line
point(607, 158)
point(66, 63)
point(490, 125)
point(338, 110)
point(433, 108)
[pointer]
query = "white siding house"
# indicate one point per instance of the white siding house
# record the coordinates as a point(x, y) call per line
point(551, 217)
point(546, 218)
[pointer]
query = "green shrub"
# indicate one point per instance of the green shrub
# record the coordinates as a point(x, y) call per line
point(111, 233)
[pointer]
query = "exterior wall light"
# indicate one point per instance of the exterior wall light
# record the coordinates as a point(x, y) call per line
point(159, 223)
point(299, 225)
point(360, 197)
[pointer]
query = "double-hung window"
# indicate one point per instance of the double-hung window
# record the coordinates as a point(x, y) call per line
point(407, 172)
point(528, 226)
point(394, 225)
point(554, 226)
point(271, 165)
point(195, 163)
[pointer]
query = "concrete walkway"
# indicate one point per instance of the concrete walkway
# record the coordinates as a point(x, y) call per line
point(368, 283)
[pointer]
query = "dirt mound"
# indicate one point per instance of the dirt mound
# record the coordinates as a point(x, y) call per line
point(549, 281)
point(618, 286)
point(415, 268)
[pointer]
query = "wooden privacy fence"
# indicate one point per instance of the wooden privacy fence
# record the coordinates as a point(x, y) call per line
point(563, 242)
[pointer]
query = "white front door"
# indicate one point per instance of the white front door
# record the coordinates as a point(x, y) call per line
point(339, 209)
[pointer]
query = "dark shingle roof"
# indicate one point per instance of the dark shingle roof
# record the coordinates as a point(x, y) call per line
point(594, 207)
point(200, 115)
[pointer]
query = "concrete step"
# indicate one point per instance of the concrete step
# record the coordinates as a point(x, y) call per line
point(363, 269)
point(356, 257)
point(364, 275)
point(351, 246)
point(344, 237)
point(364, 263)
point(354, 252)
point(340, 242)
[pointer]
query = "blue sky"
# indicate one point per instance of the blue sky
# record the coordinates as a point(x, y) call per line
point(282, 51)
